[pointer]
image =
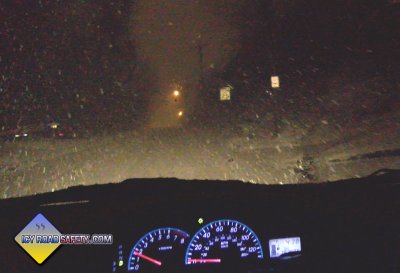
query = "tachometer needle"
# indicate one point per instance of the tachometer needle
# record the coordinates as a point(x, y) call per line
point(154, 261)
point(204, 260)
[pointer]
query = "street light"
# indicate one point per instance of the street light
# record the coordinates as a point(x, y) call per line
point(180, 113)
point(176, 93)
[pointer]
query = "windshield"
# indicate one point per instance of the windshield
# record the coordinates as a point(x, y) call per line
point(269, 92)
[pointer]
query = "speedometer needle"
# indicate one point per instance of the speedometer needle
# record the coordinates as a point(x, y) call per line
point(154, 261)
point(204, 260)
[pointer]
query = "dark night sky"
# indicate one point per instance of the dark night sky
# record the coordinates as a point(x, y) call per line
point(88, 62)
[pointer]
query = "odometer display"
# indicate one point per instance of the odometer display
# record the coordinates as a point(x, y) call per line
point(223, 241)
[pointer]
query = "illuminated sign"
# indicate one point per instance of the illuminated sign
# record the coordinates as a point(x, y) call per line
point(275, 82)
point(225, 93)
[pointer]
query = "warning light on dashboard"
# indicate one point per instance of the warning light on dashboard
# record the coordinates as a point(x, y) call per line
point(200, 221)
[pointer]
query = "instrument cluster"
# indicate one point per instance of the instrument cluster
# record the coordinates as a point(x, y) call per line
point(219, 244)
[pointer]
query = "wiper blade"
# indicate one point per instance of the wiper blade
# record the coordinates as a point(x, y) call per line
point(384, 172)
point(377, 154)
point(372, 155)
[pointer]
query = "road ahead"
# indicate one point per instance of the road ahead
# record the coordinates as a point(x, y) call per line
point(42, 165)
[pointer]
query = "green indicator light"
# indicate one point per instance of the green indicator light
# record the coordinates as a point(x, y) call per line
point(200, 221)
point(121, 263)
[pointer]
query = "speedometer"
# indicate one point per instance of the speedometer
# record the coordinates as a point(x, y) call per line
point(223, 241)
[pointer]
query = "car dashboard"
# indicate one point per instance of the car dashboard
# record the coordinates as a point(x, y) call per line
point(169, 225)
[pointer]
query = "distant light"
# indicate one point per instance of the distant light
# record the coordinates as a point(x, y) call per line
point(225, 93)
point(275, 83)
point(25, 134)
point(176, 93)
point(60, 134)
point(121, 263)
point(17, 135)
point(180, 113)
point(200, 221)
point(54, 125)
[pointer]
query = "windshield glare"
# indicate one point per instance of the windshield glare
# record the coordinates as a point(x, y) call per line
point(268, 92)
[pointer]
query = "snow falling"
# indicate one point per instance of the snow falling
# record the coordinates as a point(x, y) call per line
point(87, 91)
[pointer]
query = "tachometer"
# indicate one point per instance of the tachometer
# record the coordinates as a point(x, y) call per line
point(223, 241)
point(158, 250)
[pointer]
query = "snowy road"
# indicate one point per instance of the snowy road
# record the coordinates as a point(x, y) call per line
point(42, 165)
